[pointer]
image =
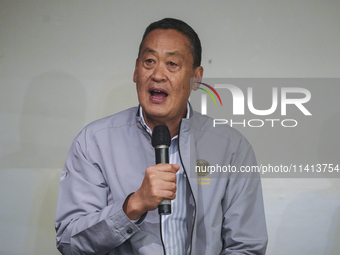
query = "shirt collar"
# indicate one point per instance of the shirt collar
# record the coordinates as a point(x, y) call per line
point(146, 126)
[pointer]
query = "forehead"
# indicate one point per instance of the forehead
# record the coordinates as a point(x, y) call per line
point(166, 41)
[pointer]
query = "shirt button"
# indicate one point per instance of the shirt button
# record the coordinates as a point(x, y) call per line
point(129, 230)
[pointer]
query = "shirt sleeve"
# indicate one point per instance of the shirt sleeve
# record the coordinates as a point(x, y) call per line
point(244, 227)
point(85, 223)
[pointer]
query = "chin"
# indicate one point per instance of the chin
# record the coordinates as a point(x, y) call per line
point(156, 114)
point(154, 108)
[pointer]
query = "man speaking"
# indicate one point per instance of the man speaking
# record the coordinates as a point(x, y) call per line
point(111, 185)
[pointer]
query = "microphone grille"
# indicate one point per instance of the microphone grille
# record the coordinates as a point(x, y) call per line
point(161, 136)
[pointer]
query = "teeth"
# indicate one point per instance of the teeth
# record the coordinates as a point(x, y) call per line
point(152, 92)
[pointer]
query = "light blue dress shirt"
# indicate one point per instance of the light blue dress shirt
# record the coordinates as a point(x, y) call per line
point(174, 230)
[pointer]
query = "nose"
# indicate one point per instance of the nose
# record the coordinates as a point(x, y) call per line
point(159, 73)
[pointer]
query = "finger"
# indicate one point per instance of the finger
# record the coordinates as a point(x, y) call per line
point(162, 190)
point(167, 167)
point(168, 176)
point(176, 167)
point(169, 186)
point(167, 194)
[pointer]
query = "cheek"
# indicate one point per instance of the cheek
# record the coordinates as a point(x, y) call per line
point(141, 92)
point(141, 82)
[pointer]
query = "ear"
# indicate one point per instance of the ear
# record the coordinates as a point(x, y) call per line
point(135, 72)
point(197, 77)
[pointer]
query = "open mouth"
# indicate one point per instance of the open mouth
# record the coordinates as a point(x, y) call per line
point(158, 93)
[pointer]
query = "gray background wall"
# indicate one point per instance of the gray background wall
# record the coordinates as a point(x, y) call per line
point(66, 63)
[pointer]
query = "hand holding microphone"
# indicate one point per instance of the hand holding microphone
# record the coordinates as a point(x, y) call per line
point(159, 182)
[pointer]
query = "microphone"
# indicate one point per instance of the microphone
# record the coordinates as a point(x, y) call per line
point(161, 141)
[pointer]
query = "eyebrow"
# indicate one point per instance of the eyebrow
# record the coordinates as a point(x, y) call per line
point(170, 53)
point(148, 50)
point(174, 53)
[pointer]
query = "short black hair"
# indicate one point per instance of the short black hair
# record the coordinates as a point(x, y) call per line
point(182, 27)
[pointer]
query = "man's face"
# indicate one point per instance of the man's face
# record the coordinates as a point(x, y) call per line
point(162, 75)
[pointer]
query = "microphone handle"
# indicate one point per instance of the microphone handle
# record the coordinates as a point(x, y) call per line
point(162, 156)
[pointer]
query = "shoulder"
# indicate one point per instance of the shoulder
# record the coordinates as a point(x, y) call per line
point(110, 124)
point(120, 119)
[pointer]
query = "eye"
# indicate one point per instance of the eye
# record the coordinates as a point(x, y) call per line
point(172, 66)
point(149, 61)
